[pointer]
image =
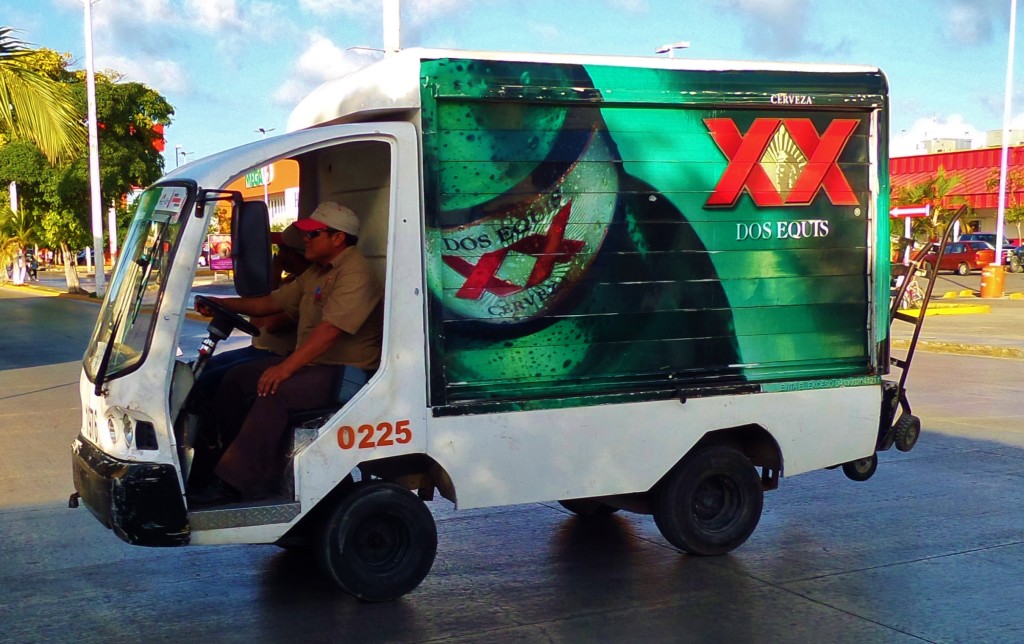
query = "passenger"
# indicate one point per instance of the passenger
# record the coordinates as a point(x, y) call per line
point(339, 307)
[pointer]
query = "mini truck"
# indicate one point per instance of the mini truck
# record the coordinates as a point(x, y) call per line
point(616, 283)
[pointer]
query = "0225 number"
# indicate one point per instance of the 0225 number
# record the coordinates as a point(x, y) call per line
point(383, 434)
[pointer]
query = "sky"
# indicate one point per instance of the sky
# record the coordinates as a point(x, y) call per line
point(232, 67)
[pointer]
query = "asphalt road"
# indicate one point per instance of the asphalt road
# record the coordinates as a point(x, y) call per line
point(930, 549)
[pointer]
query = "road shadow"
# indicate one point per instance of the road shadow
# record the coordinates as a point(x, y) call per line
point(36, 331)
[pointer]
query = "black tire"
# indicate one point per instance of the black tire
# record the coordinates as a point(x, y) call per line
point(587, 508)
point(963, 269)
point(710, 503)
point(1015, 265)
point(378, 543)
point(862, 469)
point(927, 269)
point(906, 432)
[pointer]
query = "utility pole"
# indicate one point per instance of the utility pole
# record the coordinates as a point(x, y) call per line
point(1007, 116)
point(392, 27)
point(94, 154)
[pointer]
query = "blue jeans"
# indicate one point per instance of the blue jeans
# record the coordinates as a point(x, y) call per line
point(221, 363)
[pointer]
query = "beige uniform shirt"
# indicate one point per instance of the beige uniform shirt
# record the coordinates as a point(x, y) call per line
point(346, 294)
point(282, 343)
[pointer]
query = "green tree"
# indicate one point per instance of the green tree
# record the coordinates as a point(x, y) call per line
point(126, 115)
point(936, 192)
point(18, 231)
point(1014, 208)
point(8, 252)
point(34, 105)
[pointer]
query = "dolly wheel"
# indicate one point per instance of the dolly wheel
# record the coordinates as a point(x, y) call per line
point(862, 469)
point(907, 430)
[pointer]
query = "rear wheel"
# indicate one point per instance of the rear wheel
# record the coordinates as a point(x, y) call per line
point(927, 268)
point(378, 543)
point(963, 269)
point(1015, 265)
point(710, 503)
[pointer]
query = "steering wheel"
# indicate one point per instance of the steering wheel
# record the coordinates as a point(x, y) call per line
point(225, 317)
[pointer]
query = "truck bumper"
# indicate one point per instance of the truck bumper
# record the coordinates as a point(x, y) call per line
point(141, 502)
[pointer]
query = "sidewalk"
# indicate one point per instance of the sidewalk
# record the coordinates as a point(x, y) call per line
point(992, 327)
point(54, 283)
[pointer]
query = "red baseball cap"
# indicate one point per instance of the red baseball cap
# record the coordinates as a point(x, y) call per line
point(333, 215)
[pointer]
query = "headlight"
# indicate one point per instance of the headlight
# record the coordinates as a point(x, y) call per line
point(113, 431)
point(128, 428)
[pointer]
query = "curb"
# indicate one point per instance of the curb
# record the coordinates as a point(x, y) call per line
point(46, 291)
point(979, 350)
point(944, 308)
point(38, 290)
point(950, 295)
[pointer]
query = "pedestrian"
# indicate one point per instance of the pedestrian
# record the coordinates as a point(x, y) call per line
point(338, 304)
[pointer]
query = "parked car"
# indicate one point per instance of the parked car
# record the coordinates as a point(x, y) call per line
point(1010, 257)
point(961, 257)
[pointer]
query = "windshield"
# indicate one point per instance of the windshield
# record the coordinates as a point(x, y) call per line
point(127, 316)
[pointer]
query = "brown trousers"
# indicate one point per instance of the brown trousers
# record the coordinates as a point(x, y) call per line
point(257, 426)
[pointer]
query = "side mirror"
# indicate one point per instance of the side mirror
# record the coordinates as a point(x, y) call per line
point(250, 248)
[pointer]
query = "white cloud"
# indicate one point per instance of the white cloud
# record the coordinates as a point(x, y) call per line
point(548, 32)
point(321, 61)
point(330, 7)
point(774, 27)
point(630, 6)
point(911, 141)
point(428, 7)
point(972, 22)
point(214, 15)
point(164, 76)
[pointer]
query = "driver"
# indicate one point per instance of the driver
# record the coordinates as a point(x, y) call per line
point(338, 305)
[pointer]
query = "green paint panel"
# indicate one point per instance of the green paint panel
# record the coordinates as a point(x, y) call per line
point(591, 233)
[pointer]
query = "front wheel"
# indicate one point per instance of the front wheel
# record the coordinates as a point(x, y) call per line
point(378, 543)
point(710, 503)
point(963, 269)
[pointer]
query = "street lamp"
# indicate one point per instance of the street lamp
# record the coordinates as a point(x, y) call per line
point(672, 47)
point(179, 153)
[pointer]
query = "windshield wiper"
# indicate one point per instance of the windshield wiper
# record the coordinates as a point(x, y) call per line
point(101, 371)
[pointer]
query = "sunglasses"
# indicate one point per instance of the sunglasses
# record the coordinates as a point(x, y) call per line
point(313, 234)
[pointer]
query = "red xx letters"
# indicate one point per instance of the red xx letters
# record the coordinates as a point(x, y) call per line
point(746, 151)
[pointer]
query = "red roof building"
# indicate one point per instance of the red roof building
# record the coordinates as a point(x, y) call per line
point(975, 167)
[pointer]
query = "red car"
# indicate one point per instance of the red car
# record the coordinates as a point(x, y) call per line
point(961, 257)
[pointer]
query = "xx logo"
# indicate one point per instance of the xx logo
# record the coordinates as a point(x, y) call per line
point(813, 157)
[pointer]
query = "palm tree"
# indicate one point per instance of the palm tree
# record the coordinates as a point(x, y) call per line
point(935, 192)
point(8, 253)
point(35, 107)
point(17, 232)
